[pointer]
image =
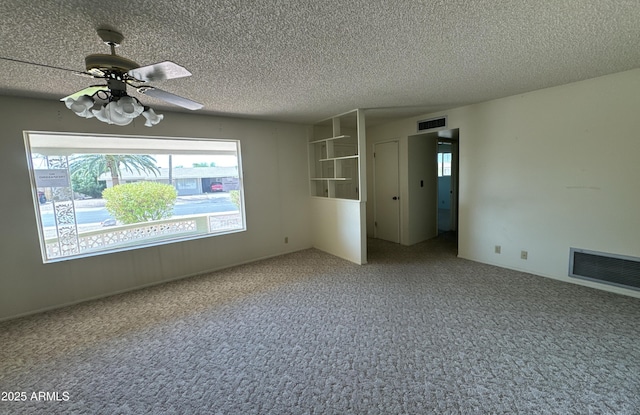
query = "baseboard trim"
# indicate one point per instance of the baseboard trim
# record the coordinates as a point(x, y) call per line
point(143, 286)
point(567, 279)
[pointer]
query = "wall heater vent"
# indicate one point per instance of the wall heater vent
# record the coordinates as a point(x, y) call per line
point(432, 123)
point(612, 269)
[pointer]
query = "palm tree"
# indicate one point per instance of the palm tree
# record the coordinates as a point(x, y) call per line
point(96, 164)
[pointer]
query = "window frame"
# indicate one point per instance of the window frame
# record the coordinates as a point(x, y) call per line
point(172, 145)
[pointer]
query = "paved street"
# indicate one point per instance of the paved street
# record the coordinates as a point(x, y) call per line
point(93, 212)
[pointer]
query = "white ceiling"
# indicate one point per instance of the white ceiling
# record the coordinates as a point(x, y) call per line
point(305, 60)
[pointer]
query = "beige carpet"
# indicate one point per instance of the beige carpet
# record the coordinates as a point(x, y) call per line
point(415, 331)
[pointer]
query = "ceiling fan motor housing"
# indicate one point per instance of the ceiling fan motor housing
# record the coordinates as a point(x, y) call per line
point(109, 63)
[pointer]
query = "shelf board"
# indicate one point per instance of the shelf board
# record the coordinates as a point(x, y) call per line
point(339, 158)
point(331, 178)
point(329, 139)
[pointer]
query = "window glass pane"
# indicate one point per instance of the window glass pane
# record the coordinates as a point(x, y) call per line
point(96, 194)
point(446, 164)
point(444, 159)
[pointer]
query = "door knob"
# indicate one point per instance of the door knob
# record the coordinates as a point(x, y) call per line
point(395, 198)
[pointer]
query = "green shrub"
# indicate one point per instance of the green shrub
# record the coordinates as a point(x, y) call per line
point(140, 202)
point(87, 185)
point(234, 195)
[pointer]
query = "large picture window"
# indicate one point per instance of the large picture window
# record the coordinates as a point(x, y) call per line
point(95, 194)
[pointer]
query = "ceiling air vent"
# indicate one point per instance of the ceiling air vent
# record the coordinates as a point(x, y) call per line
point(619, 270)
point(432, 123)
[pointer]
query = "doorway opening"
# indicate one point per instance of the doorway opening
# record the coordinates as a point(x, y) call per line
point(444, 187)
point(447, 158)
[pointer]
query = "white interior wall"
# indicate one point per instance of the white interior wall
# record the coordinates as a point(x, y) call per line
point(546, 171)
point(276, 198)
point(337, 228)
point(422, 167)
point(550, 170)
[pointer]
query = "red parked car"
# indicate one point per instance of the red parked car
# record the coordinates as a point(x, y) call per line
point(217, 187)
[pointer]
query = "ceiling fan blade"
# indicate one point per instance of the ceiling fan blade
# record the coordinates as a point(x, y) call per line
point(87, 91)
point(159, 72)
point(169, 97)
point(81, 73)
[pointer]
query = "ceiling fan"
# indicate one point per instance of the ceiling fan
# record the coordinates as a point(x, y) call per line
point(115, 106)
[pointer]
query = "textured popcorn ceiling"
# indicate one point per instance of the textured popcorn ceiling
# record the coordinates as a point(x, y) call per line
point(302, 61)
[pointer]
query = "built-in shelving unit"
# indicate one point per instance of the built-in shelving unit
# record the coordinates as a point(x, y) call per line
point(337, 159)
point(334, 157)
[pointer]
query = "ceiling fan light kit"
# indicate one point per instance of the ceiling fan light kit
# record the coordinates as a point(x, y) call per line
point(118, 109)
point(128, 107)
point(114, 105)
point(152, 117)
point(120, 112)
point(81, 106)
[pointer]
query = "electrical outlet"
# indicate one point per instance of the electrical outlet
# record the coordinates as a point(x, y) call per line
point(498, 249)
point(286, 239)
point(524, 254)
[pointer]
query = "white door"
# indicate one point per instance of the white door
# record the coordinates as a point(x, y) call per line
point(387, 193)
